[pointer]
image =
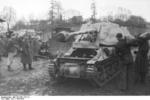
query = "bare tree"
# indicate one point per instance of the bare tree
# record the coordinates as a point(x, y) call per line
point(51, 15)
point(59, 9)
point(93, 8)
point(8, 13)
point(55, 14)
point(19, 25)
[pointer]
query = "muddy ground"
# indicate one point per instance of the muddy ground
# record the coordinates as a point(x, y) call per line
point(37, 82)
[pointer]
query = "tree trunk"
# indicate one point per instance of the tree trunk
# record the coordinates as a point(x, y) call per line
point(7, 26)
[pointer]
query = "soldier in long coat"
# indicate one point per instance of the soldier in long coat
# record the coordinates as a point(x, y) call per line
point(141, 62)
point(26, 54)
point(35, 46)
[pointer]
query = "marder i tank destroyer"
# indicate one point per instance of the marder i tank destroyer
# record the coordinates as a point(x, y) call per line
point(86, 59)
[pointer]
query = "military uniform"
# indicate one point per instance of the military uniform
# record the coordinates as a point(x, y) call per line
point(123, 51)
point(35, 46)
point(141, 62)
point(11, 52)
point(26, 54)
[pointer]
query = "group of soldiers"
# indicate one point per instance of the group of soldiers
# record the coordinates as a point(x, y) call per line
point(22, 47)
point(126, 63)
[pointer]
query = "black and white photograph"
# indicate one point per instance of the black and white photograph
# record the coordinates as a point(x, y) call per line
point(74, 48)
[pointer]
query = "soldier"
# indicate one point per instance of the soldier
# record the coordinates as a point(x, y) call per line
point(122, 50)
point(35, 48)
point(126, 60)
point(141, 61)
point(26, 54)
point(11, 52)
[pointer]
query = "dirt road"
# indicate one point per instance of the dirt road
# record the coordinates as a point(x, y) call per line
point(37, 82)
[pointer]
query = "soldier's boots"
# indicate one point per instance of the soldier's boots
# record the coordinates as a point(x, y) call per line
point(24, 67)
point(9, 68)
point(30, 67)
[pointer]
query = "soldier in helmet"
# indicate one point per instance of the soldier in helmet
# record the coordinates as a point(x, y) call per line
point(126, 60)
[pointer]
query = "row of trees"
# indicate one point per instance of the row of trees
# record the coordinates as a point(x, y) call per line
point(133, 21)
point(9, 15)
point(45, 25)
point(57, 17)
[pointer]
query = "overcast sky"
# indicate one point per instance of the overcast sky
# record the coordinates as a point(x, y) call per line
point(39, 8)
